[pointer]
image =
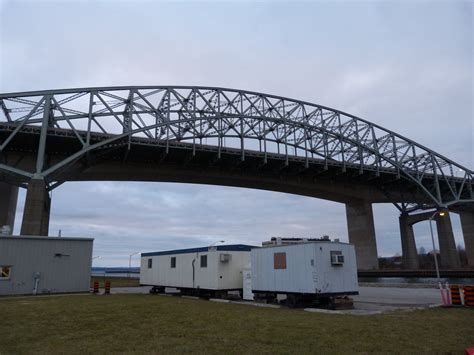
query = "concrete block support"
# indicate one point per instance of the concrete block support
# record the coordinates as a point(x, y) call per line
point(360, 225)
point(447, 245)
point(467, 225)
point(409, 252)
point(8, 201)
point(37, 208)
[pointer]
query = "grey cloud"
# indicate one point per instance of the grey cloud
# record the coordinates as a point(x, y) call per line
point(405, 66)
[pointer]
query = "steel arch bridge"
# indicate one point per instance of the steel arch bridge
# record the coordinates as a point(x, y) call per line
point(90, 121)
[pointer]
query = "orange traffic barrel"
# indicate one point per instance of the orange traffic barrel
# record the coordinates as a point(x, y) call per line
point(469, 296)
point(107, 288)
point(96, 287)
point(455, 295)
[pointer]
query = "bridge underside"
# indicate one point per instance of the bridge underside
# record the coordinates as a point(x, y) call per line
point(183, 162)
point(180, 162)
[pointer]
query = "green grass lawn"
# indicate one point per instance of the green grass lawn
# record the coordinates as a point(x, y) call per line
point(115, 281)
point(151, 323)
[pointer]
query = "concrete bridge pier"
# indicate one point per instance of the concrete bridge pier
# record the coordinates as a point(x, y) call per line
point(360, 225)
point(447, 245)
point(409, 251)
point(467, 225)
point(8, 201)
point(37, 208)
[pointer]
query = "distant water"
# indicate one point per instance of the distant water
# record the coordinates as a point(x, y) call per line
point(417, 280)
point(133, 272)
point(108, 275)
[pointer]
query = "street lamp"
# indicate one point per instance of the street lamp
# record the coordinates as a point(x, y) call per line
point(130, 262)
point(441, 214)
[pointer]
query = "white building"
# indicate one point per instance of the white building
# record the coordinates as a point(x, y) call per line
point(35, 265)
point(313, 269)
point(208, 268)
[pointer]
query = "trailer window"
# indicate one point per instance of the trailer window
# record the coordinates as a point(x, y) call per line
point(173, 262)
point(203, 260)
point(279, 261)
point(150, 263)
point(5, 272)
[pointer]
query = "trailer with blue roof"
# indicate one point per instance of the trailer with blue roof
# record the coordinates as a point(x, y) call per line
point(208, 270)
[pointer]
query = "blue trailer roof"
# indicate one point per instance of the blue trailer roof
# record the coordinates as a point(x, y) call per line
point(233, 247)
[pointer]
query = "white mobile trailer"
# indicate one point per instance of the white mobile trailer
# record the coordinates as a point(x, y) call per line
point(314, 270)
point(216, 268)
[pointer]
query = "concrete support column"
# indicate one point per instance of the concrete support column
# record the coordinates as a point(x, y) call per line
point(8, 200)
point(467, 224)
point(409, 252)
point(37, 207)
point(447, 246)
point(360, 225)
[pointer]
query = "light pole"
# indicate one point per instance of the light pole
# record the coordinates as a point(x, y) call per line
point(130, 262)
point(440, 213)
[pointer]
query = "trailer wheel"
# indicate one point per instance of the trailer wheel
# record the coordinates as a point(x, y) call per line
point(157, 289)
point(324, 302)
point(292, 301)
point(272, 298)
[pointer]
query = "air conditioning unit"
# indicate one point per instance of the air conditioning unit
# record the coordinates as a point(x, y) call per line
point(225, 258)
point(337, 258)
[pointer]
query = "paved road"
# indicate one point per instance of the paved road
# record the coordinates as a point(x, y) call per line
point(371, 299)
point(141, 289)
point(390, 298)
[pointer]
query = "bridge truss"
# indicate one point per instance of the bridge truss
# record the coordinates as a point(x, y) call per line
point(250, 122)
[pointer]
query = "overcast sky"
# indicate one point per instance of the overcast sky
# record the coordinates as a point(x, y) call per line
point(404, 65)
